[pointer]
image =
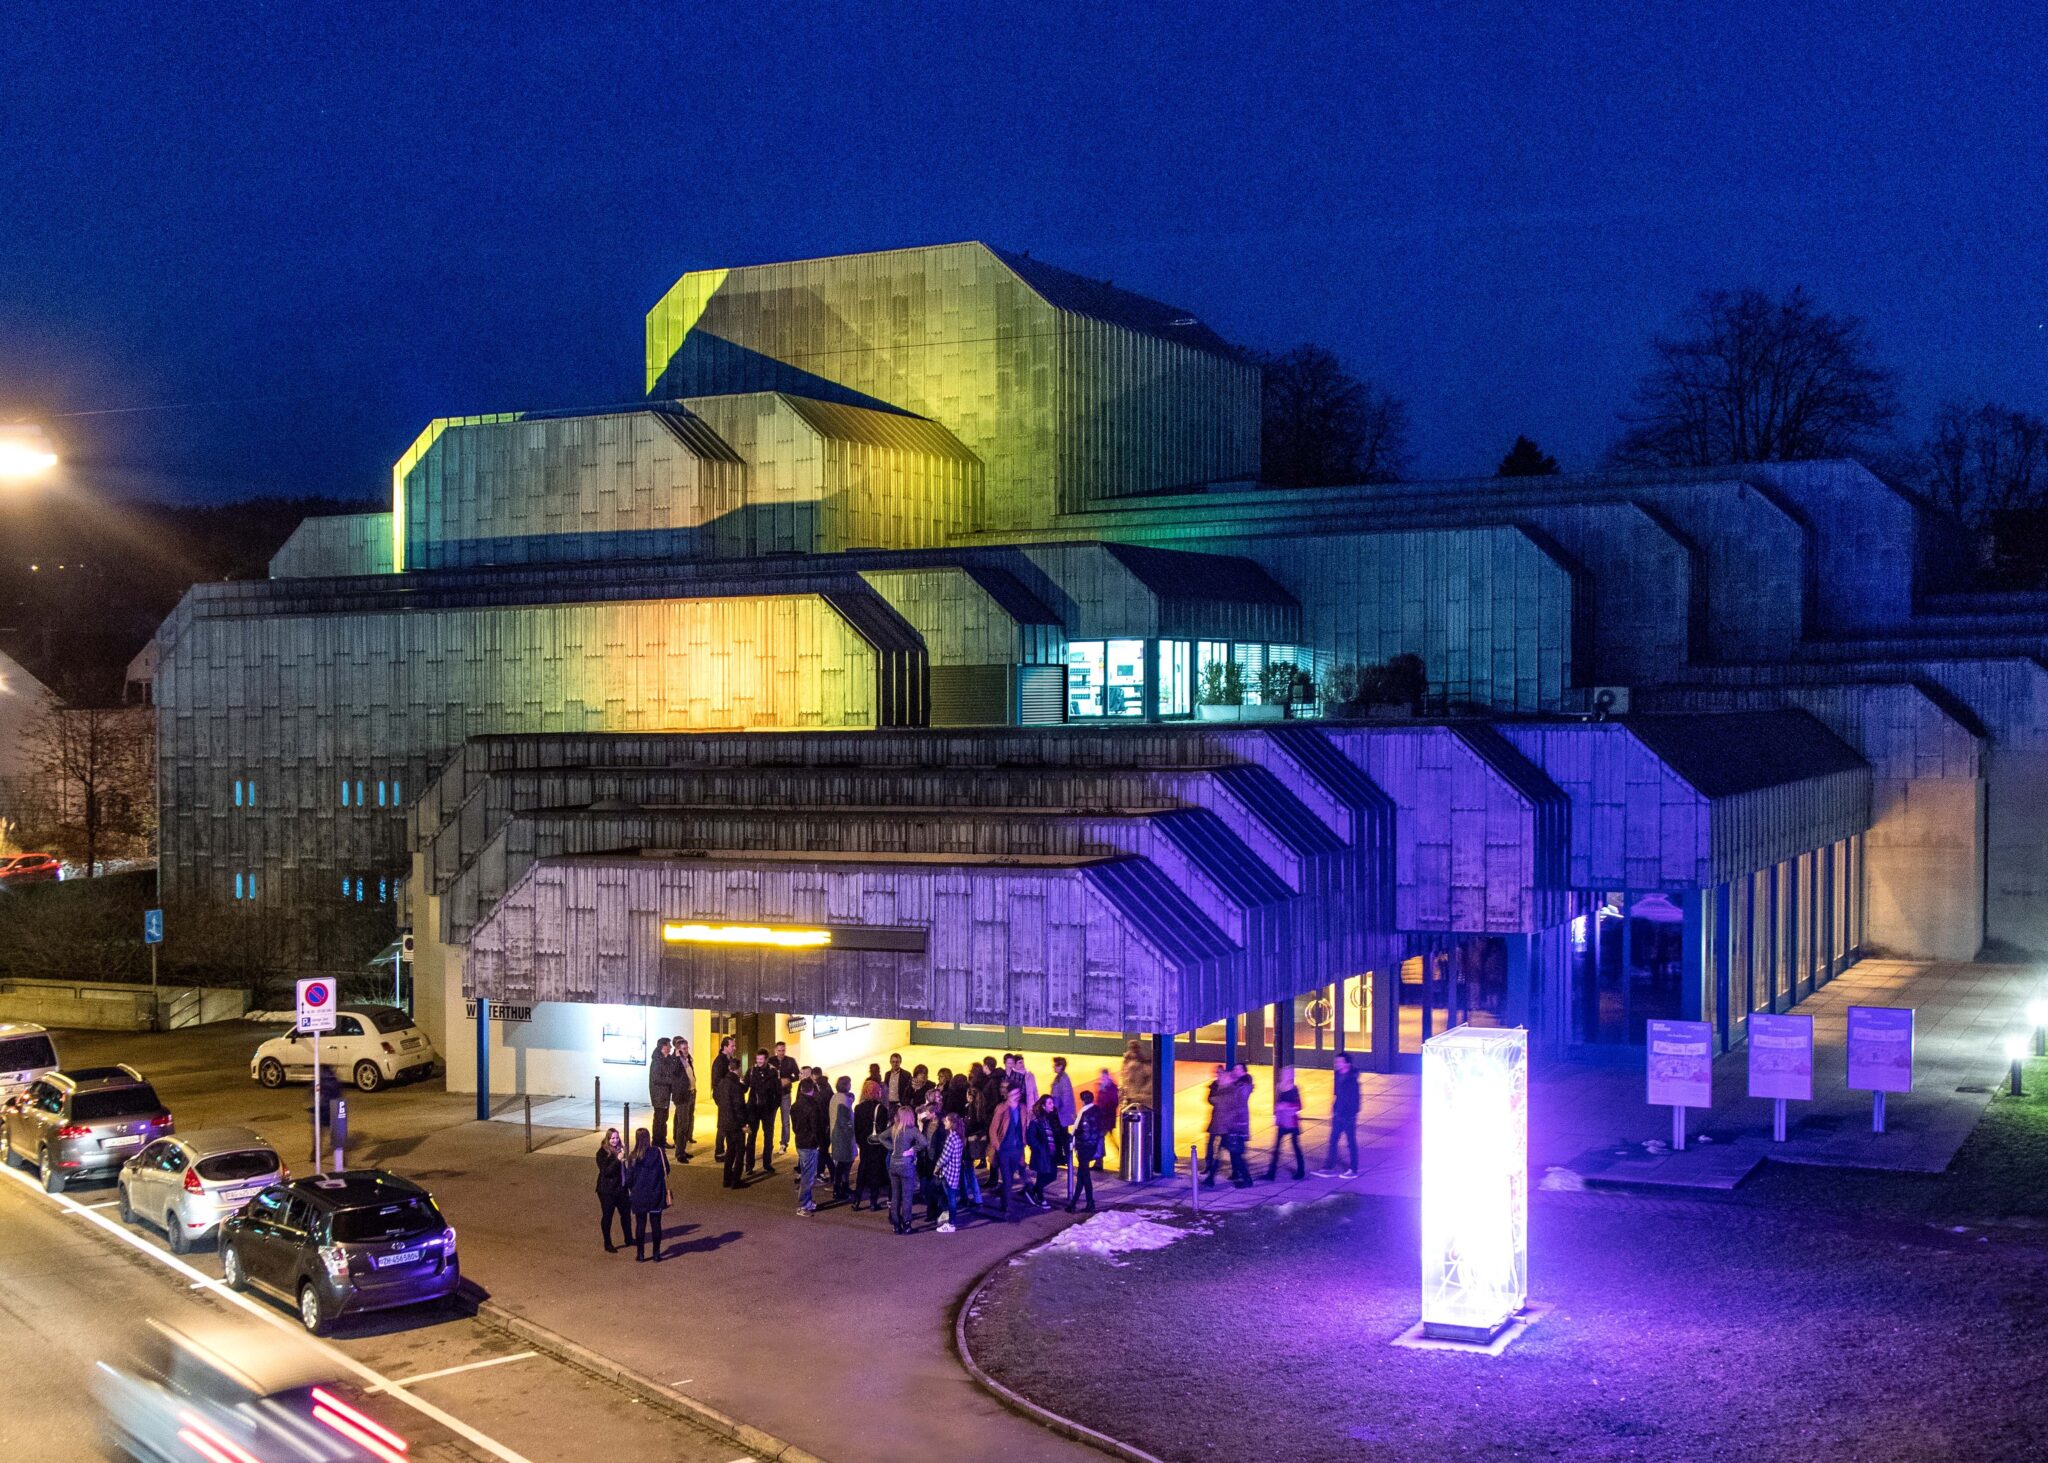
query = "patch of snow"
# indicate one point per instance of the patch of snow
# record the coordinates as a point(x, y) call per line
point(1561, 1179)
point(1116, 1232)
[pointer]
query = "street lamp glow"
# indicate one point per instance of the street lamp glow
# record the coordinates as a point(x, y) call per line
point(24, 453)
point(2015, 1048)
point(2037, 1014)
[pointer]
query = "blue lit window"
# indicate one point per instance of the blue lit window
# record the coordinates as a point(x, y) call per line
point(383, 891)
point(380, 792)
point(245, 886)
point(238, 887)
point(238, 792)
point(397, 796)
point(359, 891)
point(344, 792)
point(361, 802)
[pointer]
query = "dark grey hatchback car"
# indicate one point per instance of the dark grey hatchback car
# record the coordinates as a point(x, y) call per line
point(363, 1240)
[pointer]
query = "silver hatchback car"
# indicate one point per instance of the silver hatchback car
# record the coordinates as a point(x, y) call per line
point(190, 1182)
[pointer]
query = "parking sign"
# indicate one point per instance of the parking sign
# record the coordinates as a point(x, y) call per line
point(152, 926)
point(316, 1005)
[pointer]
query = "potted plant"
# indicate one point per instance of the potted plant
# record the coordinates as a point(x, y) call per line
point(1222, 692)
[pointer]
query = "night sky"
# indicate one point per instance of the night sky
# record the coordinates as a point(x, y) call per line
point(323, 225)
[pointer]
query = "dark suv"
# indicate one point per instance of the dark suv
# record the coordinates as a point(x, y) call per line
point(84, 1123)
point(363, 1240)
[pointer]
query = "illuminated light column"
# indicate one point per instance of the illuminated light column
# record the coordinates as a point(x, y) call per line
point(1475, 1181)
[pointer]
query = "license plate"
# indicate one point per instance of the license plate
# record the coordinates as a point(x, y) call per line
point(403, 1257)
point(240, 1196)
point(411, 1043)
point(128, 1142)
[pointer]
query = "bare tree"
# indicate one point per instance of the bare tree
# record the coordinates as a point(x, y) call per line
point(1979, 461)
point(99, 766)
point(1752, 379)
point(1323, 426)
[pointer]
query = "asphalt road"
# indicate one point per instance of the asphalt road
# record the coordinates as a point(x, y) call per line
point(76, 1285)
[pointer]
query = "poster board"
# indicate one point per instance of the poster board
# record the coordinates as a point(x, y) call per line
point(1881, 1048)
point(1681, 1063)
point(1781, 1057)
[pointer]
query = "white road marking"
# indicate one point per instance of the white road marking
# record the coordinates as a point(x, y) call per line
point(104, 1204)
point(270, 1317)
point(684, 1382)
point(449, 1371)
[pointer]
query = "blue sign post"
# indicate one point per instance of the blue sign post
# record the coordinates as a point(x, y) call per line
point(152, 926)
point(153, 936)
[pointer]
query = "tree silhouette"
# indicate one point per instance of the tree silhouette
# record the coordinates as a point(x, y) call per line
point(1526, 460)
point(1752, 379)
point(1323, 426)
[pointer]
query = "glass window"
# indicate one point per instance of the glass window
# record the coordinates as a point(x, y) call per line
point(1250, 661)
point(347, 1026)
point(108, 1103)
point(20, 1052)
point(402, 1220)
point(250, 1163)
point(1123, 684)
point(1084, 677)
point(1176, 678)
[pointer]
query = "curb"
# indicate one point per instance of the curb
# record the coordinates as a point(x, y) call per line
point(646, 1388)
point(1016, 1401)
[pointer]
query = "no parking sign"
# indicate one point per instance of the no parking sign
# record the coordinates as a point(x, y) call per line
point(316, 1005)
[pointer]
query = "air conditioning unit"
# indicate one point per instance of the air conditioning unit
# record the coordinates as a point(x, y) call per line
point(1609, 701)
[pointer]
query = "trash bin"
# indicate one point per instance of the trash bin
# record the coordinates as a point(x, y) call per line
point(1134, 1140)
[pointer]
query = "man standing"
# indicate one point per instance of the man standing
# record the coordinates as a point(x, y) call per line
point(1216, 1116)
point(764, 1100)
point(730, 1093)
point(1063, 1106)
point(1237, 1131)
point(686, 1098)
point(1106, 1098)
point(724, 1070)
point(1006, 1147)
point(1343, 1116)
point(786, 1073)
point(808, 1124)
point(896, 1081)
point(661, 1088)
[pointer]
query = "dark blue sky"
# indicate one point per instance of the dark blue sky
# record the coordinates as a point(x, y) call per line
point(381, 214)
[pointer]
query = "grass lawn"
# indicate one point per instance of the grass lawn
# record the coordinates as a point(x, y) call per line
point(1813, 1315)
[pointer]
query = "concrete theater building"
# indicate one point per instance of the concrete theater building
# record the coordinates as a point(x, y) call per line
point(924, 660)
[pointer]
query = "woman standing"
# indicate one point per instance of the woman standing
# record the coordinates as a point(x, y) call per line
point(646, 1192)
point(947, 1170)
point(871, 1134)
point(906, 1146)
point(843, 1149)
point(611, 1189)
point(1041, 1138)
point(1286, 1122)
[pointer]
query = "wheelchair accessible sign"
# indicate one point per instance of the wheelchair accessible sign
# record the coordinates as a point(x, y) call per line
point(316, 1005)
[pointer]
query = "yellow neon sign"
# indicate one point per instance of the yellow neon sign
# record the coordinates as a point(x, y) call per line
point(703, 934)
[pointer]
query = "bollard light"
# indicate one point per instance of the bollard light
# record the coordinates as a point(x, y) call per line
point(2015, 1052)
point(1475, 1181)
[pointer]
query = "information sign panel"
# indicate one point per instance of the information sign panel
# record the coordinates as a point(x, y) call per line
point(1881, 1048)
point(1681, 1063)
point(1781, 1057)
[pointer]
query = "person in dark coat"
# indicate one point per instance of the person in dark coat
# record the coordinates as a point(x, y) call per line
point(764, 1101)
point(1006, 1147)
point(809, 1127)
point(1215, 1124)
point(1088, 1136)
point(1286, 1123)
point(731, 1095)
point(1237, 1129)
point(724, 1069)
point(787, 1072)
point(1041, 1142)
point(686, 1098)
point(871, 1134)
point(662, 1075)
point(1343, 1115)
point(1108, 1099)
point(611, 1190)
point(646, 1192)
point(844, 1147)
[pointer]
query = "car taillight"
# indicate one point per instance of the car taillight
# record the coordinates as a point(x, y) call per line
point(161, 1121)
point(387, 1046)
point(209, 1442)
point(363, 1431)
point(335, 1258)
point(73, 1130)
point(192, 1181)
point(448, 1238)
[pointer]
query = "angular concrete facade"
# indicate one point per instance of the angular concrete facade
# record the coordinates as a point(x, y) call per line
point(932, 592)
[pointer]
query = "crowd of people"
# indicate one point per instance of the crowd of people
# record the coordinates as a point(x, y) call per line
point(959, 1142)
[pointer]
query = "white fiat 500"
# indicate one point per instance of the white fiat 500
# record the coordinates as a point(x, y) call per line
point(369, 1046)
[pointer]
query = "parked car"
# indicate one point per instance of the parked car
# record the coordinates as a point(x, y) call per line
point(370, 1045)
point(30, 868)
point(84, 1123)
point(361, 1240)
point(190, 1182)
point(26, 1053)
point(236, 1390)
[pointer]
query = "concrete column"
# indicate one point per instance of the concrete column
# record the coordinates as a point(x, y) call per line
point(1230, 1041)
point(483, 1059)
point(1162, 1103)
point(1519, 1004)
point(1692, 980)
point(1340, 992)
point(1628, 960)
point(1724, 961)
